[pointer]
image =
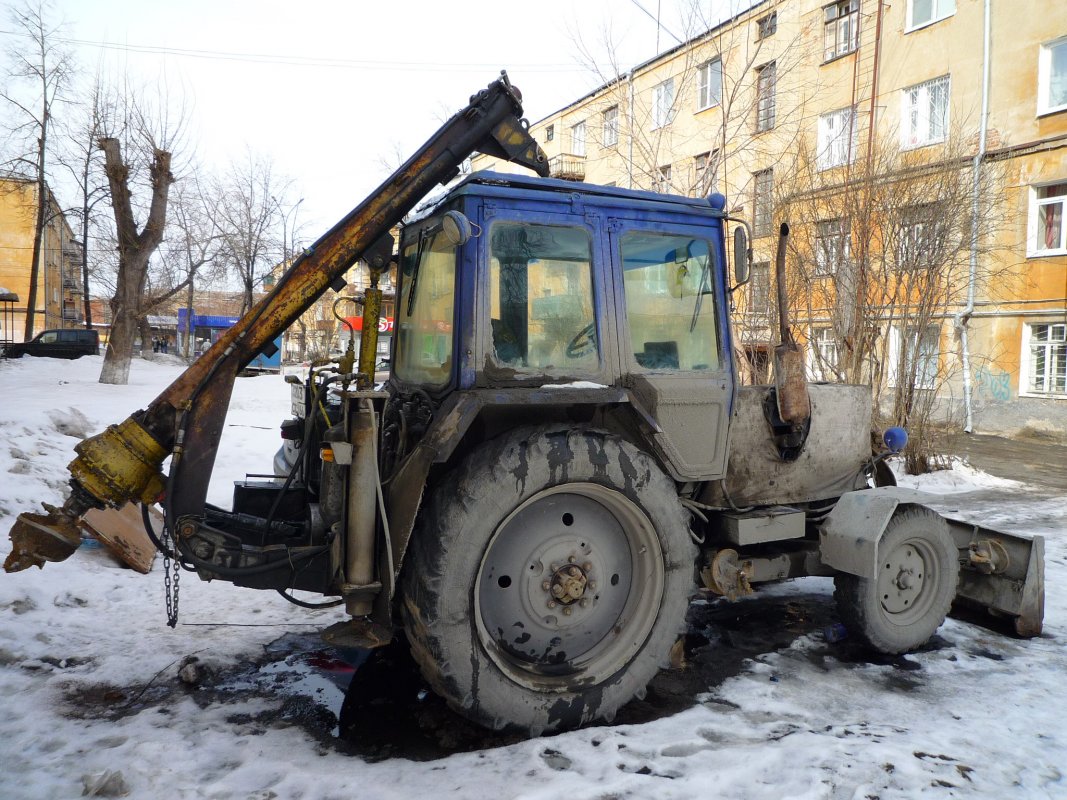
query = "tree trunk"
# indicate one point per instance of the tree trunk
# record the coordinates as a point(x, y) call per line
point(38, 238)
point(135, 249)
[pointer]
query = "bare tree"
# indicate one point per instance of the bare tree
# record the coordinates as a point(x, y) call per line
point(150, 135)
point(46, 66)
point(249, 219)
point(879, 261)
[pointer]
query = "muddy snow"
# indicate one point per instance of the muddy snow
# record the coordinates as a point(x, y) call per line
point(243, 700)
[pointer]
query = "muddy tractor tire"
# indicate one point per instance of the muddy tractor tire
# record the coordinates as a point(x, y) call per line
point(918, 571)
point(548, 580)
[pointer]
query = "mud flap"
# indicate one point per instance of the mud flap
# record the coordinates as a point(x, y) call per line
point(1003, 573)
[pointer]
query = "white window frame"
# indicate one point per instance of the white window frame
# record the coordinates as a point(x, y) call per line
point(611, 126)
point(763, 203)
point(939, 10)
point(842, 29)
point(1057, 329)
point(578, 138)
point(1034, 246)
point(709, 84)
point(663, 103)
point(833, 246)
point(1044, 77)
point(917, 123)
point(837, 133)
point(896, 340)
point(663, 179)
point(823, 354)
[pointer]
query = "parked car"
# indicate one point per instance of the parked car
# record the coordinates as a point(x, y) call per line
point(67, 343)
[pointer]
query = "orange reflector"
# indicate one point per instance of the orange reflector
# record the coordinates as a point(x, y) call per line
point(326, 453)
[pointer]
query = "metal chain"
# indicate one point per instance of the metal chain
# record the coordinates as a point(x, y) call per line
point(171, 577)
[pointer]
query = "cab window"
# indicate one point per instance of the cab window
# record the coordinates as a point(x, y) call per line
point(48, 337)
point(670, 303)
point(425, 311)
point(541, 298)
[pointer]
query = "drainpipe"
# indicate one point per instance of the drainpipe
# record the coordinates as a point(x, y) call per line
point(963, 318)
point(630, 154)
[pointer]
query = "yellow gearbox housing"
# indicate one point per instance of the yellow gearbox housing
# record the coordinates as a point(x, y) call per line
point(120, 464)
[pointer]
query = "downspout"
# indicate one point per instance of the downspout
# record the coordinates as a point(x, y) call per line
point(963, 318)
point(630, 131)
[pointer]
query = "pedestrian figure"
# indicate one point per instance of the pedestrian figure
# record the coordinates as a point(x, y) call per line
point(155, 344)
point(166, 344)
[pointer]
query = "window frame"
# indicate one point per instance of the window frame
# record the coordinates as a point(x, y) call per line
point(824, 354)
point(851, 18)
point(1026, 367)
point(578, 143)
point(915, 110)
point(1035, 204)
point(1044, 77)
point(826, 141)
point(664, 177)
point(766, 26)
point(766, 89)
point(705, 98)
point(902, 336)
point(610, 126)
point(836, 231)
point(763, 227)
point(909, 11)
point(550, 132)
point(663, 104)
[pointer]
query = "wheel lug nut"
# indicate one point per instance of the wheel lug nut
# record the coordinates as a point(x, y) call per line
point(567, 611)
point(554, 567)
point(552, 604)
point(584, 602)
point(587, 567)
point(545, 585)
point(592, 586)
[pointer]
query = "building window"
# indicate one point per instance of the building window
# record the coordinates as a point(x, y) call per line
point(611, 127)
point(840, 28)
point(550, 133)
point(1047, 358)
point(823, 356)
point(663, 179)
point(832, 247)
point(923, 12)
point(918, 244)
point(837, 138)
point(765, 84)
point(761, 202)
point(578, 139)
point(759, 288)
point(766, 26)
point(913, 356)
point(1052, 77)
point(704, 166)
point(663, 103)
point(709, 84)
point(925, 113)
point(1047, 207)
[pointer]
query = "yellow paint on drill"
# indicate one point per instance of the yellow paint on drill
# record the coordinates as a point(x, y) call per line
point(120, 464)
point(368, 342)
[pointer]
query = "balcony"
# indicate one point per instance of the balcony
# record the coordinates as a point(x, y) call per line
point(567, 167)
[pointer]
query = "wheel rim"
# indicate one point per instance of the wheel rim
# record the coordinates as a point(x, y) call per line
point(907, 581)
point(570, 585)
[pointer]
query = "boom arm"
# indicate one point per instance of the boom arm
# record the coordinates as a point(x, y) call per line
point(124, 462)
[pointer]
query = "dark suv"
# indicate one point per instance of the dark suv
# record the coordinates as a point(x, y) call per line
point(67, 343)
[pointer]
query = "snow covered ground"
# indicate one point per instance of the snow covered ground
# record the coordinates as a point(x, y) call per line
point(88, 668)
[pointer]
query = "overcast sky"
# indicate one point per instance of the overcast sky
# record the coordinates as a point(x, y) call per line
point(332, 91)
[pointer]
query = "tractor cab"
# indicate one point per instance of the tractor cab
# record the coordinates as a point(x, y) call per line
point(508, 282)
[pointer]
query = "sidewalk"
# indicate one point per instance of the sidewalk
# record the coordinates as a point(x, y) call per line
point(1035, 462)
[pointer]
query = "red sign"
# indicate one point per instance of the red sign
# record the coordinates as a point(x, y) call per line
point(385, 324)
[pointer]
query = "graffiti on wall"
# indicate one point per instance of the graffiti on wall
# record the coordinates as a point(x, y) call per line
point(994, 384)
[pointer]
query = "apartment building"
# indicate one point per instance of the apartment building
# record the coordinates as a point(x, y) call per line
point(59, 301)
point(918, 150)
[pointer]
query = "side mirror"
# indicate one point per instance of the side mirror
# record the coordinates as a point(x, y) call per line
point(741, 266)
point(456, 227)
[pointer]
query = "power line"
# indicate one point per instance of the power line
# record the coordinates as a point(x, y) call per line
point(307, 61)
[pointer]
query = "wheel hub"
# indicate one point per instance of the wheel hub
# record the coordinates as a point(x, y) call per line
point(901, 579)
point(569, 582)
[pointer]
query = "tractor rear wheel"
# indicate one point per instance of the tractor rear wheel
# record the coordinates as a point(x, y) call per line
point(918, 570)
point(548, 580)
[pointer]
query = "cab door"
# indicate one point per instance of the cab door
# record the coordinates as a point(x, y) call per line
point(674, 341)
